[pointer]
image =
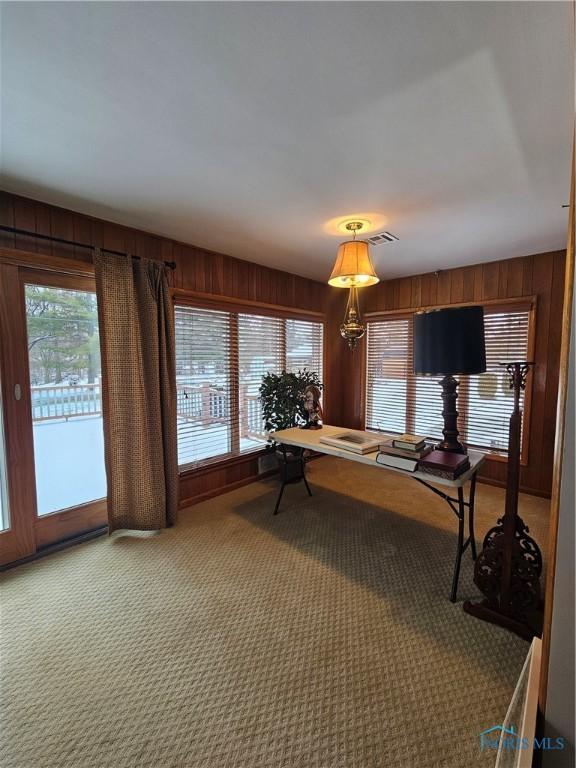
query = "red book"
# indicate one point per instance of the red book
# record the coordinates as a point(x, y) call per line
point(447, 474)
point(446, 461)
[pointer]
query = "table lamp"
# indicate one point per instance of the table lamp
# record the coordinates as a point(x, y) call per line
point(449, 342)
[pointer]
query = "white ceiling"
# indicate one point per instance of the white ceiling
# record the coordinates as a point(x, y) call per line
point(246, 127)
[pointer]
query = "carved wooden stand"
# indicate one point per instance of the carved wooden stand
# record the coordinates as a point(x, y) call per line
point(508, 569)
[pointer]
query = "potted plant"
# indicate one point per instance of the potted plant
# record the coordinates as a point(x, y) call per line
point(282, 399)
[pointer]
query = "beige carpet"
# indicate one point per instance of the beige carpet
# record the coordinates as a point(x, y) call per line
point(320, 638)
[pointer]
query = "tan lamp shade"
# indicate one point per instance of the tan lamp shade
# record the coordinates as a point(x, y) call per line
point(353, 267)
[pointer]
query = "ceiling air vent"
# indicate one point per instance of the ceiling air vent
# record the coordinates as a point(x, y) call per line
point(382, 237)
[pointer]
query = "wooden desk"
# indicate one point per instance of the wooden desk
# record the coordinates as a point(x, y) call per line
point(310, 439)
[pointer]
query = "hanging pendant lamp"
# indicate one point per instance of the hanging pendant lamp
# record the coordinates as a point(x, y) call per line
point(353, 269)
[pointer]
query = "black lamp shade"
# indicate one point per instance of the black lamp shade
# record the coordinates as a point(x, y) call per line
point(449, 342)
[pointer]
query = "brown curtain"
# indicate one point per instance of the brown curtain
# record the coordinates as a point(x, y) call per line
point(139, 391)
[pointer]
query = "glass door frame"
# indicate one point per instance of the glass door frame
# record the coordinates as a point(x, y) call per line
point(28, 533)
point(19, 539)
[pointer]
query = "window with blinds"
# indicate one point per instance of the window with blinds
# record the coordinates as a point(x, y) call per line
point(261, 350)
point(398, 401)
point(389, 354)
point(205, 363)
point(490, 399)
point(220, 360)
point(304, 346)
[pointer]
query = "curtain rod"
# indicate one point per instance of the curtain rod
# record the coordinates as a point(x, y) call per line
point(27, 233)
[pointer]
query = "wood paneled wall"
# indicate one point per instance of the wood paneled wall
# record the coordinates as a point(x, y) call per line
point(197, 270)
point(540, 275)
point(217, 274)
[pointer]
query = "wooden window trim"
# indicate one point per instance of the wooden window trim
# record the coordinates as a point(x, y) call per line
point(234, 382)
point(528, 392)
point(67, 281)
point(527, 303)
point(59, 525)
point(235, 307)
point(283, 353)
point(46, 263)
point(18, 540)
point(363, 382)
point(243, 306)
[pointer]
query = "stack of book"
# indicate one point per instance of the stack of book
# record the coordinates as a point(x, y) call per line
point(444, 464)
point(403, 452)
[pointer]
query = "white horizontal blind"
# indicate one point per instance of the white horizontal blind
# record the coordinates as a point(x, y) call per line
point(485, 401)
point(221, 358)
point(388, 362)
point(490, 399)
point(427, 406)
point(304, 346)
point(261, 344)
point(203, 384)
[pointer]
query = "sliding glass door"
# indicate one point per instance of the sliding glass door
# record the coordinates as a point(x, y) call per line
point(53, 470)
point(65, 393)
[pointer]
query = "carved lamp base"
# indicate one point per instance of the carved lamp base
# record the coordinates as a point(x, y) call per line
point(450, 442)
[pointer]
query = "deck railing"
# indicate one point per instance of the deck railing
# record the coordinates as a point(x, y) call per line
point(65, 401)
point(204, 404)
point(208, 405)
point(251, 421)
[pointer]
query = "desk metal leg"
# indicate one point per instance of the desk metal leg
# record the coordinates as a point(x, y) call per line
point(279, 499)
point(458, 506)
point(471, 498)
point(291, 471)
point(460, 547)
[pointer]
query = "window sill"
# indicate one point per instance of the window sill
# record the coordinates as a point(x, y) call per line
point(500, 458)
point(226, 461)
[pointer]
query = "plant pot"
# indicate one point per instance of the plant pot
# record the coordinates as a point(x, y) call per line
point(290, 462)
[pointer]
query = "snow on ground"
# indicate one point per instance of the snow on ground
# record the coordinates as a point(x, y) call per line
point(69, 459)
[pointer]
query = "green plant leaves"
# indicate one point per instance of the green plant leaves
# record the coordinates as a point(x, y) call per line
point(282, 397)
